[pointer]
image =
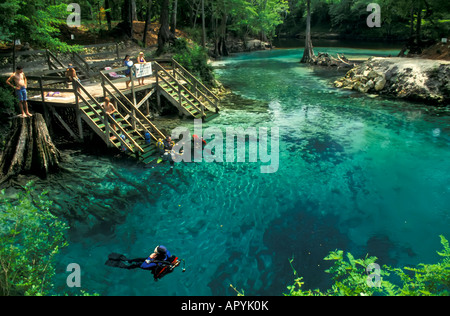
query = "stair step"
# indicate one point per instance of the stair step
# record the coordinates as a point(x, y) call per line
point(149, 160)
point(147, 155)
point(147, 147)
point(209, 117)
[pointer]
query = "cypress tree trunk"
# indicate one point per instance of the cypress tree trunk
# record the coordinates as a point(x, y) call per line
point(203, 25)
point(164, 35)
point(308, 54)
point(29, 149)
point(108, 15)
point(148, 21)
point(174, 18)
point(220, 48)
point(126, 18)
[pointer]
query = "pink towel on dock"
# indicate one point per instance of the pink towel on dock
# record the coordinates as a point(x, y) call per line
point(114, 74)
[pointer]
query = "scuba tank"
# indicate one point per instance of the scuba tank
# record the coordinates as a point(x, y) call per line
point(160, 145)
point(147, 138)
point(124, 148)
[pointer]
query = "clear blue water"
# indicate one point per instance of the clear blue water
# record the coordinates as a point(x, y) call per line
point(366, 175)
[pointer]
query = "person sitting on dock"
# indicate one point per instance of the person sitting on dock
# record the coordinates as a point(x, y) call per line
point(110, 109)
point(141, 60)
point(71, 75)
point(21, 89)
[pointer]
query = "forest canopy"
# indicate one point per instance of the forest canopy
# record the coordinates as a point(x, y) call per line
point(39, 22)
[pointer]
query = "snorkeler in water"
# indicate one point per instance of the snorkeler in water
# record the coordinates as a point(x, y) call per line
point(160, 262)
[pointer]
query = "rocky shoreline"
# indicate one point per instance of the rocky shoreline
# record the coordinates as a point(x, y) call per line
point(413, 79)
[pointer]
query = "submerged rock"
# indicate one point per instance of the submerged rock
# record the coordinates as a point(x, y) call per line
point(409, 78)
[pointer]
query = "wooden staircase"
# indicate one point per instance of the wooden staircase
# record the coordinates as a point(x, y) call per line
point(130, 130)
point(186, 92)
point(126, 134)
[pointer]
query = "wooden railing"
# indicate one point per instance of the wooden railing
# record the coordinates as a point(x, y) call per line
point(198, 88)
point(181, 88)
point(106, 118)
point(52, 61)
point(102, 54)
point(138, 118)
point(82, 65)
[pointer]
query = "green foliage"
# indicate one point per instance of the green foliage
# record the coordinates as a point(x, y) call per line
point(7, 109)
point(35, 21)
point(239, 293)
point(30, 237)
point(426, 279)
point(350, 16)
point(195, 59)
point(351, 279)
point(257, 17)
point(9, 101)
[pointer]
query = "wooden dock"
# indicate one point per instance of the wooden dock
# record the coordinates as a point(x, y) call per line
point(67, 98)
point(129, 129)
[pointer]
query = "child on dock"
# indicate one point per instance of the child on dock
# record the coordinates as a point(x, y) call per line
point(20, 81)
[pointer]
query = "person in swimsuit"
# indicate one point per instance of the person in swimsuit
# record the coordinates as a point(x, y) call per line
point(127, 62)
point(141, 60)
point(71, 75)
point(20, 81)
point(110, 109)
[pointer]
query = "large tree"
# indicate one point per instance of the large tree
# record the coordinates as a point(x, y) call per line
point(203, 25)
point(148, 20)
point(308, 54)
point(165, 35)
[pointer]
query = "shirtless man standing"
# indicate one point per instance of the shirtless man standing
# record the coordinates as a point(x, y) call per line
point(21, 89)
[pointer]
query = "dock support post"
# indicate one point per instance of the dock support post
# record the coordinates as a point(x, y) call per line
point(78, 111)
point(133, 110)
point(147, 106)
point(44, 105)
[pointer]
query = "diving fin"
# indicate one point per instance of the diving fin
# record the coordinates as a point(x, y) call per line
point(117, 257)
point(116, 264)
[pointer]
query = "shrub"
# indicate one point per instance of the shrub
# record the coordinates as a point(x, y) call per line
point(8, 101)
point(351, 279)
point(30, 237)
point(195, 59)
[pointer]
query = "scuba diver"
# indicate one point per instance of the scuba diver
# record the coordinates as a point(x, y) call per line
point(198, 143)
point(160, 262)
point(167, 152)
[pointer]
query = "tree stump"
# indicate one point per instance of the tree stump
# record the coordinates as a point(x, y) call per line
point(29, 149)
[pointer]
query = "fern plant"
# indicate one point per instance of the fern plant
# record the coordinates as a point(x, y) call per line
point(30, 238)
point(351, 277)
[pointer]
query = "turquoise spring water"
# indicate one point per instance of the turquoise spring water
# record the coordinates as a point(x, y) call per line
point(366, 175)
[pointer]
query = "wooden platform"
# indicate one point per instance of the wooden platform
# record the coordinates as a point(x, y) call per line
point(128, 129)
point(67, 99)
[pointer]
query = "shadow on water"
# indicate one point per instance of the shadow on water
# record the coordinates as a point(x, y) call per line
point(387, 251)
point(298, 234)
point(318, 148)
point(306, 237)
